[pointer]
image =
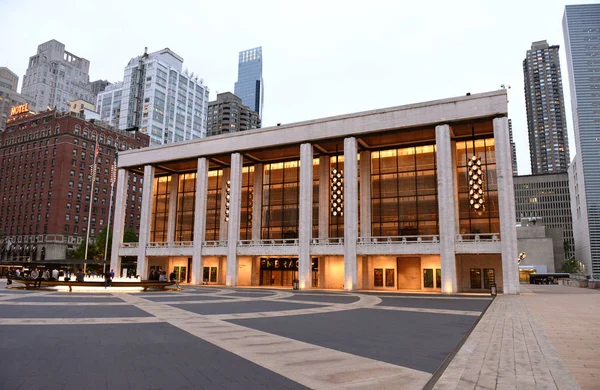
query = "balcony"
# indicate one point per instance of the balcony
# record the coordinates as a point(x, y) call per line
point(426, 244)
point(175, 248)
point(478, 243)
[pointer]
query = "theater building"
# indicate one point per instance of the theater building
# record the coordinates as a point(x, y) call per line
point(415, 198)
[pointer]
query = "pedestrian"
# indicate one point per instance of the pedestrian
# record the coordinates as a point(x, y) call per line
point(163, 277)
point(10, 276)
point(79, 276)
point(54, 274)
point(46, 275)
point(17, 273)
point(107, 280)
point(35, 276)
point(112, 274)
point(173, 278)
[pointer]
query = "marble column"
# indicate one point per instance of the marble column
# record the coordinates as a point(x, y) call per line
point(305, 222)
point(350, 214)
point(506, 203)
point(172, 216)
point(233, 227)
point(118, 226)
point(446, 208)
point(145, 221)
point(365, 193)
point(324, 202)
point(257, 199)
point(200, 219)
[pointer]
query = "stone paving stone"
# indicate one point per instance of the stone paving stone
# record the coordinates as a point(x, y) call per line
point(432, 303)
point(15, 311)
point(137, 356)
point(63, 298)
point(410, 339)
point(242, 307)
point(323, 298)
point(251, 294)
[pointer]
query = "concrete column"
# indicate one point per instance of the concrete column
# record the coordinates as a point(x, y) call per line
point(145, 221)
point(365, 193)
point(257, 202)
point(446, 208)
point(199, 219)
point(324, 203)
point(172, 208)
point(305, 222)
point(506, 203)
point(222, 224)
point(350, 213)
point(118, 226)
point(233, 227)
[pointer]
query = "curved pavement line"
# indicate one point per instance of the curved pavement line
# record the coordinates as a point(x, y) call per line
point(310, 365)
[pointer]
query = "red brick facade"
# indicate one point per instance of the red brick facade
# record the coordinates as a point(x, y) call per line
point(45, 180)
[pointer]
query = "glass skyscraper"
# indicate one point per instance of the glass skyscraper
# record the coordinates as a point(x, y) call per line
point(581, 28)
point(250, 85)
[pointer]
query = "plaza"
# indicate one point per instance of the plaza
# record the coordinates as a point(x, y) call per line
point(410, 198)
point(253, 338)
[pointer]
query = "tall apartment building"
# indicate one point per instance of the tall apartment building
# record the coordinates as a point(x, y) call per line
point(98, 86)
point(227, 114)
point(158, 98)
point(546, 198)
point(581, 29)
point(546, 121)
point(45, 183)
point(54, 77)
point(108, 104)
point(9, 98)
point(513, 150)
point(250, 85)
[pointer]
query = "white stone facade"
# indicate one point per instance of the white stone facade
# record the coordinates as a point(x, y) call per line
point(264, 189)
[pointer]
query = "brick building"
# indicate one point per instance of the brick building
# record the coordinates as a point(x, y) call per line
point(45, 183)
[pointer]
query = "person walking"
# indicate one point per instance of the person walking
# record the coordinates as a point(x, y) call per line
point(35, 276)
point(107, 280)
point(173, 278)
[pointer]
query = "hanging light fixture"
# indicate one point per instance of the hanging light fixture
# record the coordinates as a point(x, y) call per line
point(227, 199)
point(476, 181)
point(337, 190)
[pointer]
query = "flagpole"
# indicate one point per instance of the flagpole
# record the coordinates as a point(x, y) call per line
point(113, 177)
point(87, 239)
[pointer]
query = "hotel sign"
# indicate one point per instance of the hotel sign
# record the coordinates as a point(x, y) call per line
point(22, 109)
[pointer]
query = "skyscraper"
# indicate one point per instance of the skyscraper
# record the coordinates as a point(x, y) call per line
point(548, 139)
point(9, 98)
point(54, 77)
point(513, 150)
point(581, 29)
point(157, 97)
point(250, 85)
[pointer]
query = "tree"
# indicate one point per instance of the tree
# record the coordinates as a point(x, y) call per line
point(93, 252)
point(572, 266)
point(128, 236)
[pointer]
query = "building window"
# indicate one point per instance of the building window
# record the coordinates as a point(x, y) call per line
point(247, 202)
point(160, 206)
point(281, 187)
point(475, 278)
point(186, 199)
point(404, 192)
point(213, 205)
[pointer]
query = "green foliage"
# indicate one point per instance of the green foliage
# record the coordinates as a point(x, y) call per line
point(93, 251)
point(571, 266)
point(96, 249)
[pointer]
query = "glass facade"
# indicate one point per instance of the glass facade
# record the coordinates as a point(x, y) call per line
point(488, 220)
point(186, 201)
point(404, 192)
point(160, 209)
point(249, 86)
point(247, 200)
point(213, 205)
point(281, 188)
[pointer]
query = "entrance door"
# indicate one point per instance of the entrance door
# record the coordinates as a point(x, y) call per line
point(180, 273)
point(409, 273)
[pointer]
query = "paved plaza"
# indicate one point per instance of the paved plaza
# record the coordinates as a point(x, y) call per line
point(223, 338)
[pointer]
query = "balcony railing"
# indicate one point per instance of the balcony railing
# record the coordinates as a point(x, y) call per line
point(273, 242)
point(399, 239)
point(129, 245)
point(174, 244)
point(214, 244)
point(327, 241)
point(479, 237)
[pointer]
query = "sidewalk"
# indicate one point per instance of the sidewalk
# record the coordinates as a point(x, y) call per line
point(509, 349)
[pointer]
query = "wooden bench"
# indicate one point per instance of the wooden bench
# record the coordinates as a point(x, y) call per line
point(145, 284)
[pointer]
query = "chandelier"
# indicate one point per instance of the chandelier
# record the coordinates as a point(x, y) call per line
point(476, 197)
point(337, 192)
point(227, 199)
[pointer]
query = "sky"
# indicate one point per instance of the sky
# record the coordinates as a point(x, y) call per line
point(320, 58)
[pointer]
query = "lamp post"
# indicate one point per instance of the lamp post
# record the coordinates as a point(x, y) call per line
point(113, 176)
point(87, 238)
